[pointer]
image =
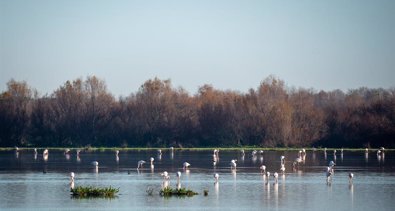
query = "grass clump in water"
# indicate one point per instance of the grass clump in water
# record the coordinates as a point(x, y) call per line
point(90, 192)
point(168, 191)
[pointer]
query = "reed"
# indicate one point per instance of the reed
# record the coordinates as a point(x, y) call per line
point(168, 191)
point(89, 191)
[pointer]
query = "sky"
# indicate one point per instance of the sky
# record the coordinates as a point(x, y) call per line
point(232, 45)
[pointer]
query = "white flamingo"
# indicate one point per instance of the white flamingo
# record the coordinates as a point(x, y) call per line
point(216, 177)
point(159, 152)
point(282, 159)
point(263, 169)
point(253, 153)
point(350, 177)
point(152, 162)
point(186, 165)
point(268, 175)
point(178, 180)
point(328, 175)
point(66, 151)
point(96, 165)
point(233, 164)
point(282, 169)
point(45, 154)
point(140, 164)
point(166, 179)
point(275, 175)
point(72, 180)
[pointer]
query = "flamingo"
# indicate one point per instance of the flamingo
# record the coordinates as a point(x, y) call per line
point(159, 152)
point(152, 162)
point(350, 177)
point(263, 168)
point(96, 165)
point(166, 179)
point(253, 153)
point(140, 164)
point(233, 164)
point(379, 152)
point(296, 162)
point(186, 165)
point(282, 169)
point(116, 152)
point(366, 150)
point(72, 180)
point(66, 151)
point(268, 175)
point(242, 152)
point(35, 151)
point(178, 180)
point(334, 152)
point(45, 152)
point(282, 159)
point(16, 149)
point(216, 177)
point(275, 175)
point(328, 175)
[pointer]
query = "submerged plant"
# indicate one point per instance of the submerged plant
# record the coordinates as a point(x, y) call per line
point(87, 192)
point(168, 191)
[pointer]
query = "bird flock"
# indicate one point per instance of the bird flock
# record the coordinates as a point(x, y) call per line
point(296, 163)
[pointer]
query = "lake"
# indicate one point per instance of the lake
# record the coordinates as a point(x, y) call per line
point(28, 182)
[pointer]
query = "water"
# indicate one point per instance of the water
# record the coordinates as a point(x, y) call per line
point(29, 183)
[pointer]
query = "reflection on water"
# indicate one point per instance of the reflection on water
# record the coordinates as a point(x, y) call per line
point(33, 182)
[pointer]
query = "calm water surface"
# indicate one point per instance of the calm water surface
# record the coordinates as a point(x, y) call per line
point(24, 185)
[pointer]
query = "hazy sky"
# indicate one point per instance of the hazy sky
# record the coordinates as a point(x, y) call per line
point(234, 45)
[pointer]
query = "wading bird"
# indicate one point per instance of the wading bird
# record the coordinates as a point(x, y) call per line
point(186, 165)
point(152, 162)
point(72, 180)
point(263, 169)
point(216, 177)
point(140, 164)
point(275, 175)
point(328, 175)
point(282, 169)
point(178, 180)
point(350, 176)
point(282, 159)
point(233, 164)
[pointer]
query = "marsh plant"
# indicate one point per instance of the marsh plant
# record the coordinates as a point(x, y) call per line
point(168, 191)
point(90, 192)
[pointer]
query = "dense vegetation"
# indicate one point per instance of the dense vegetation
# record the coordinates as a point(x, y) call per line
point(88, 192)
point(82, 112)
point(168, 191)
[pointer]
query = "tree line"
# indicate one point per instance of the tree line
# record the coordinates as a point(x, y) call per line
point(82, 112)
